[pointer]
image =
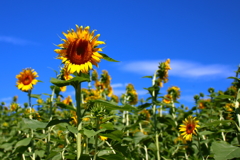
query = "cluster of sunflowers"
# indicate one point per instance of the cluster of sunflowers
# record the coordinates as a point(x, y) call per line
point(95, 126)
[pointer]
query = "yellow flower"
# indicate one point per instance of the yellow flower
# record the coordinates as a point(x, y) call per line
point(13, 106)
point(26, 79)
point(86, 119)
point(110, 91)
point(74, 121)
point(167, 99)
point(79, 51)
point(163, 72)
point(105, 78)
point(114, 98)
point(63, 89)
point(146, 114)
point(203, 103)
point(67, 100)
point(40, 101)
point(181, 139)
point(189, 127)
point(66, 74)
point(99, 86)
point(229, 107)
point(94, 75)
point(174, 91)
point(103, 138)
point(5, 124)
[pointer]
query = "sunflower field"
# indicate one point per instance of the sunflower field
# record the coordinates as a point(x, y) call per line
point(96, 124)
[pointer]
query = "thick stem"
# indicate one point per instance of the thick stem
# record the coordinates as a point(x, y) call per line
point(155, 118)
point(96, 139)
point(79, 119)
point(199, 146)
point(30, 117)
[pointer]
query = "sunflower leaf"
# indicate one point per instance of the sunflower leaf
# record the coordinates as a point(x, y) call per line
point(223, 150)
point(108, 58)
point(61, 83)
point(63, 105)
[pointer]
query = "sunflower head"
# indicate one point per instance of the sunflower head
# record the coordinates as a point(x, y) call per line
point(162, 73)
point(167, 99)
point(79, 51)
point(26, 79)
point(189, 127)
point(174, 91)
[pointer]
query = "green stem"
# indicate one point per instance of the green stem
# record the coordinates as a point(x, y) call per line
point(79, 119)
point(30, 117)
point(199, 146)
point(155, 118)
point(96, 139)
point(48, 148)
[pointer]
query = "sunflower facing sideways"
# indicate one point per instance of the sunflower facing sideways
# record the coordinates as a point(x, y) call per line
point(79, 51)
point(189, 127)
point(26, 79)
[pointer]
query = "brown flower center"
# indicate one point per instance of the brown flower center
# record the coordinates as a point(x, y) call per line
point(27, 80)
point(190, 128)
point(79, 51)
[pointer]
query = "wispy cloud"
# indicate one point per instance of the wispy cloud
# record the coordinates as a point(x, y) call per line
point(6, 99)
point(15, 41)
point(180, 68)
point(117, 85)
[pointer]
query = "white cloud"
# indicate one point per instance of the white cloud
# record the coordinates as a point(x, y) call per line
point(180, 68)
point(6, 99)
point(16, 41)
point(117, 85)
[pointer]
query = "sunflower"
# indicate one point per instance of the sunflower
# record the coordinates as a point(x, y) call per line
point(26, 79)
point(167, 99)
point(189, 127)
point(103, 138)
point(79, 51)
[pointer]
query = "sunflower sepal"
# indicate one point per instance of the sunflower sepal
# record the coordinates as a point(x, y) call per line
point(107, 58)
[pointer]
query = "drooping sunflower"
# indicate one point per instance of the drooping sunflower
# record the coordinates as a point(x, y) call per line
point(189, 127)
point(26, 79)
point(79, 51)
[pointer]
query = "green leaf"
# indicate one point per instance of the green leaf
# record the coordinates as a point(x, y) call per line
point(115, 135)
point(148, 77)
point(205, 133)
point(78, 79)
point(23, 142)
point(40, 153)
point(56, 121)
point(57, 157)
point(143, 106)
point(35, 96)
point(65, 106)
point(108, 126)
point(218, 122)
point(33, 124)
point(89, 133)
point(138, 137)
point(72, 129)
point(113, 157)
point(108, 58)
point(223, 151)
point(114, 106)
point(234, 78)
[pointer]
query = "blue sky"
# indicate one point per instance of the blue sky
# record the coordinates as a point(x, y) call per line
point(200, 37)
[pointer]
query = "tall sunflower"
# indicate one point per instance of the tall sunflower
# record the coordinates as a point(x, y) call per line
point(79, 51)
point(26, 79)
point(189, 127)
